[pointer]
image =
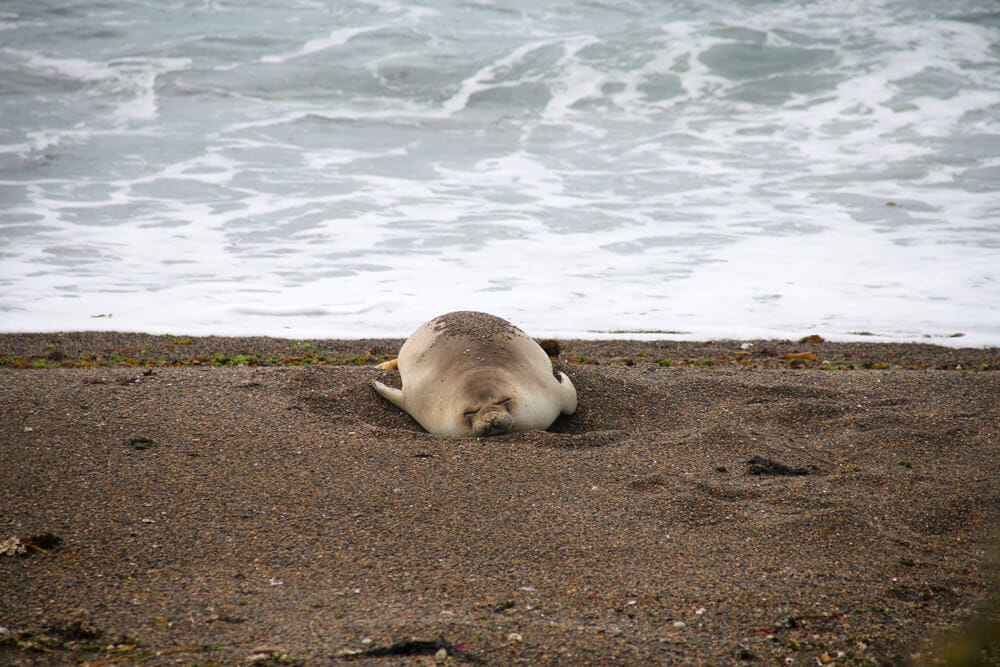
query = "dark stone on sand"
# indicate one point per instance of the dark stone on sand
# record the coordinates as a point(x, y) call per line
point(759, 465)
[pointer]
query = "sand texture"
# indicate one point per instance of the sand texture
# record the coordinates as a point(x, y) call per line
point(200, 501)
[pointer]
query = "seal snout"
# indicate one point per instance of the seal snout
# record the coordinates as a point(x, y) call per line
point(492, 420)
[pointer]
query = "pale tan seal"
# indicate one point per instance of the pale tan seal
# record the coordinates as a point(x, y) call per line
point(473, 374)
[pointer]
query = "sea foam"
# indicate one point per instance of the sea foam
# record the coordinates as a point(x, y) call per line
point(645, 169)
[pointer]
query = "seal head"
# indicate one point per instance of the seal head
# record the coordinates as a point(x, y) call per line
point(491, 420)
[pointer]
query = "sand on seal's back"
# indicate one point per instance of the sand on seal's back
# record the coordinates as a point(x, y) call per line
point(475, 326)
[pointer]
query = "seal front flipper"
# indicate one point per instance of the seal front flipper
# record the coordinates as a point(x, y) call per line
point(567, 395)
point(390, 365)
point(391, 394)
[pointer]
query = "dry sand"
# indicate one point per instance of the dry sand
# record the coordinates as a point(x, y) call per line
point(278, 514)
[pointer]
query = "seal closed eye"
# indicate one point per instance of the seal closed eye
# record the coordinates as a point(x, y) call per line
point(470, 374)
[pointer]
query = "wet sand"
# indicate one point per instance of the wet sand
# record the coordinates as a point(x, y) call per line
point(210, 500)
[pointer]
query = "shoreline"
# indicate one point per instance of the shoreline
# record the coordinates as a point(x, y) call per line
point(205, 503)
point(99, 349)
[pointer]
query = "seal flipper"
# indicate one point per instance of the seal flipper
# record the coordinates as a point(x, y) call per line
point(567, 395)
point(391, 394)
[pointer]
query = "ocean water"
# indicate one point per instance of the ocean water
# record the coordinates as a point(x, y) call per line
point(591, 168)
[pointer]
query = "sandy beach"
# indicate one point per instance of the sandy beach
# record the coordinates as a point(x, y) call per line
point(181, 500)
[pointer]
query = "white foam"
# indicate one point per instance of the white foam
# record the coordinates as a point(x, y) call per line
point(335, 38)
point(130, 81)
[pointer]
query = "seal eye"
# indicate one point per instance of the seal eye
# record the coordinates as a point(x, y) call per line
point(470, 415)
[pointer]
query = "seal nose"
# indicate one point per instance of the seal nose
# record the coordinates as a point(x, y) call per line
point(492, 420)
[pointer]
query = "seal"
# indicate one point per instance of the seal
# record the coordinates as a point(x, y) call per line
point(474, 374)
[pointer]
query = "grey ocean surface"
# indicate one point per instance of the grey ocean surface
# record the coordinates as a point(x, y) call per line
point(606, 168)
